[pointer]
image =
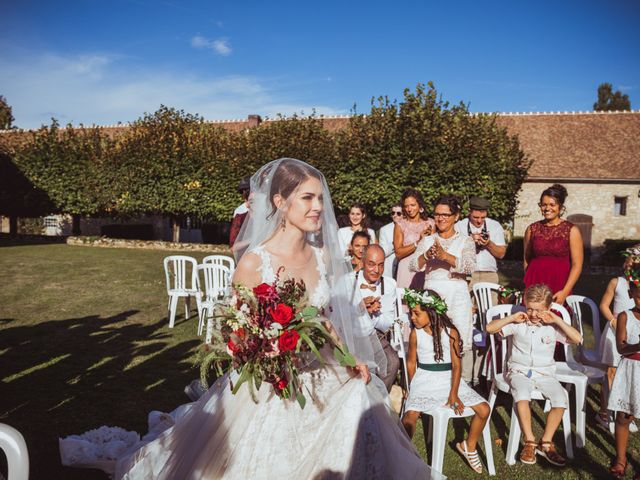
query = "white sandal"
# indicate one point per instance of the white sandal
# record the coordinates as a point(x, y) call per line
point(472, 458)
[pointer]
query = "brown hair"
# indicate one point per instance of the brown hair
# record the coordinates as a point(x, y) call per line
point(288, 176)
point(539, 293)
point(413, 193)
point(361, 233)
point(450, 201)
point(364, 224)
point(439, 321)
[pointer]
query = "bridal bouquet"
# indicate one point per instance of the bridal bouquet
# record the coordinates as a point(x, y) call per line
point(262, 334)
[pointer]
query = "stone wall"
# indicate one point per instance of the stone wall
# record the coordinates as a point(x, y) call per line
point(147, 244)
point(593, 199)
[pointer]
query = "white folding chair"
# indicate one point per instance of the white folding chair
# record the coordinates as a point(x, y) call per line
point(397, 338)
point(217, 284)
point(180, 283)
point(581, 376)
point(15, 449)
point(587, 356)
point(499, 384)
point(439, 426)
point(223, 260)
point(482, 292)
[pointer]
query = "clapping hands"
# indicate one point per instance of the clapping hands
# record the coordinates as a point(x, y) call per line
point(436, 251)
point(372, 304)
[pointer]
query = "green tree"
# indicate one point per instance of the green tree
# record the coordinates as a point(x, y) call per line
point(608, 100)
point(67, 165)
point(6, 114)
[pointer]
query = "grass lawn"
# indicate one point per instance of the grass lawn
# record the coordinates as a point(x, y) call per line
point(84, 342)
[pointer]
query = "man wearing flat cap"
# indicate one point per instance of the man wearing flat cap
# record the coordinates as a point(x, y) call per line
point(241, 212)
point(488, 236)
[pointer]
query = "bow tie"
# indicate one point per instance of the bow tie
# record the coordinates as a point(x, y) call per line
point(370, 287)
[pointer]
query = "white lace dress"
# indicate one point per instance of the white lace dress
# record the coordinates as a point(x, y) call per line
point(450, 282)
point(625, 391)
point(621, 303)
point(346, 430)
point(430, 390)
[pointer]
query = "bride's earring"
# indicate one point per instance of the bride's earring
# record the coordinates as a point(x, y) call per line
point(283, 223)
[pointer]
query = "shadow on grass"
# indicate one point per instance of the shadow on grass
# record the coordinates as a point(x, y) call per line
point(68, 376)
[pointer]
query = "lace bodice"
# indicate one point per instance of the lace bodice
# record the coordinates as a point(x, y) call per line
point(461, 247)
point(550, 241)
point(320, 296)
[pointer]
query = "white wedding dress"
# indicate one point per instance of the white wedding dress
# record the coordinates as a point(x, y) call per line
point(346, 430)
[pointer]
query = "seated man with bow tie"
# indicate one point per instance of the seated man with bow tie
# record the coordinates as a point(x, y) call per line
point(378, 294)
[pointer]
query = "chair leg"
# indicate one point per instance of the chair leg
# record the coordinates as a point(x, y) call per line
point(581, 416)
point(440, 426)
point(566, 431)
point(209, 334)
point(488, 448)
point(514, 437)
point(172, 310)
point(187, 301)
point(201, 320)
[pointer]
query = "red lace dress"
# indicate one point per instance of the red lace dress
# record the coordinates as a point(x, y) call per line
point(550, 262)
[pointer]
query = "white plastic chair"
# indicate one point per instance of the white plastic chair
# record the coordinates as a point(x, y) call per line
point(397, 341)
point(217, 284)
point(180, 283)
point(15, 449)
point(587, 356)
point(484, 301)
point(439, 425)
point(499, 384)
point(223, 260)
point(581, 376)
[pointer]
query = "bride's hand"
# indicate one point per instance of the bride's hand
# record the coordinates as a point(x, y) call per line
point(362, 370)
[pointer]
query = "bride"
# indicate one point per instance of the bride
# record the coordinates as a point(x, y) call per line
point(347, 429)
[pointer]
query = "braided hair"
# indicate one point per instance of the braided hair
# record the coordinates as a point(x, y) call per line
point(439, 323)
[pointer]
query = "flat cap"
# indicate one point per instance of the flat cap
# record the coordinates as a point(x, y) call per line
point(479, 203)
point(244, 184)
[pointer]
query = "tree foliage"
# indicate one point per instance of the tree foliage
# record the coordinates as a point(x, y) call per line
point(609, 101)
point(6, 114)
point(174, 163)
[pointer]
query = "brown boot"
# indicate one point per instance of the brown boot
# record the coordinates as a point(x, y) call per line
point(528, 453)
point(548, 451)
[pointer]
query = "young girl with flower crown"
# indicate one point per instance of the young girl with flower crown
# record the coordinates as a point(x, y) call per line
point(617, 292)
point(625, 391)
point(434, 368)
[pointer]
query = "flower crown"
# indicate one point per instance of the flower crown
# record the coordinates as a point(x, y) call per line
point(633, 252)
point(633, 275)
point(413, 298)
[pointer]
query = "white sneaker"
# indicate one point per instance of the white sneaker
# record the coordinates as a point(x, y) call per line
point(633, 428)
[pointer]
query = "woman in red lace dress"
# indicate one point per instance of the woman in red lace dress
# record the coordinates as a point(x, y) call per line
point(553, 251)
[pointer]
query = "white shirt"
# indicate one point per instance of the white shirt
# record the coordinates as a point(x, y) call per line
point(485, 262)
point(533, 346)
point(345, 234)
point(386, 242)
point(241, 209)
point(384, 318)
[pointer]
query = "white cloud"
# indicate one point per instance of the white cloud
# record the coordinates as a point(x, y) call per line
point(220, 46)
point(105, 89)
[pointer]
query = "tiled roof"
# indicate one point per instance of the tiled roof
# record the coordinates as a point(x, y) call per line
point(562, 145)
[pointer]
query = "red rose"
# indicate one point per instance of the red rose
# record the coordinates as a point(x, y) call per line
point(240, 333)
point(288, 340)
point(281, 314)
point(264, 291)
point(233, 347)
point(281, 385)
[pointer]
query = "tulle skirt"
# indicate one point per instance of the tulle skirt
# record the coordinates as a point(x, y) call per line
point(346, 430)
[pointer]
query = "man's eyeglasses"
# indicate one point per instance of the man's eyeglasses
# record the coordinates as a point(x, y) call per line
point(396, 214)
point(444, 215)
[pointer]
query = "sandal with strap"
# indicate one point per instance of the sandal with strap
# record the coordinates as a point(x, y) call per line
point(472, 458)
point(548, 451)
point(618, 469)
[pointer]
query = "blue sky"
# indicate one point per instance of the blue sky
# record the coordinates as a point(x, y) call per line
point(105, 62)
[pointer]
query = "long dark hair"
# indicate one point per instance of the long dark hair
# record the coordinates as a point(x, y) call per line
point(439, 323)
point(364, 224)
point(413, 193)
